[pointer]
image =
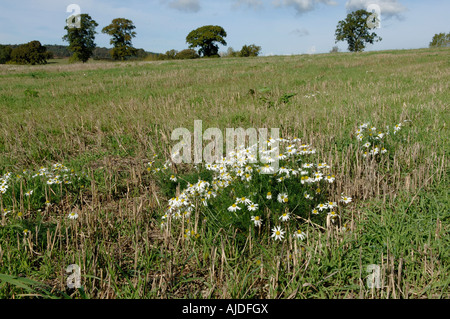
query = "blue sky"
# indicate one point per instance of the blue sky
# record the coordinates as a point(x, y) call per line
point(280, 27)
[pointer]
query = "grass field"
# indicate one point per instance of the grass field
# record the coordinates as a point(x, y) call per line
point(91, 141)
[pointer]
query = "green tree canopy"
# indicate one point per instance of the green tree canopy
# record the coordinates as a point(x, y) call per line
point(355, 31)
point(81, 40)
point(5, 54)
point(121, 32)
point(30, 53)
point(440, 40)
point(187, 54)
point(250, 50)
point(171, 54)
point(206, 38)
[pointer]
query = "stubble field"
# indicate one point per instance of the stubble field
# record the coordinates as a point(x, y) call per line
point(84, 178)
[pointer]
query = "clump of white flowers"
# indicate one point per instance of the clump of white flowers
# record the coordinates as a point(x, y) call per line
point(31, 186)
point(4, 182)
point(256, 192)
point(373, 139)
point(56, 174)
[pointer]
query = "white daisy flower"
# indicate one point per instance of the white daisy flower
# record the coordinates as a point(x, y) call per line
point(375, 151)
point(73, 215)
point(330, 178)
point(307, 165)
point(291, 151)
point(3, 188)
point(322, 165)
point(364, 125)
point(267, 169)
point(331, 205)
point(300, 234)
point(317, 176)
point(244, 200)
point(346, 199)
point(284, 217)
point(282, 198)
point(277, 233)
point(333, 214)
point(234, 208)
point(257, 220)
point(271, 141)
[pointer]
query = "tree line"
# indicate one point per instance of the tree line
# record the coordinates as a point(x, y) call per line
point(356, 30)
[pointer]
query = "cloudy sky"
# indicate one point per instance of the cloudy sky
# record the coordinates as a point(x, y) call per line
point(279, 26)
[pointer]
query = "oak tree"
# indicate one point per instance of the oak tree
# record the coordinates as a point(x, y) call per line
point(250, 50)
point(206, 38)
point(440, 40)
point(81, 40)
point(121, 32)
point(30, 53)
point(355, 30)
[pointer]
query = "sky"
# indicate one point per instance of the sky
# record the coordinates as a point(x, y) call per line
point(279, 27)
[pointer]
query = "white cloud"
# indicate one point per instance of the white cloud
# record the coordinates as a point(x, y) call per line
point(388, 8)
point(302, 6)
point(185, 5)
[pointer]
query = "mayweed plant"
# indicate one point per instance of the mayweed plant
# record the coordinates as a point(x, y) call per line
point(373, 140)
point(40, 189)
point(243, 193)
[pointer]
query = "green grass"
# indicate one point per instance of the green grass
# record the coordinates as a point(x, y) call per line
point(110, 119)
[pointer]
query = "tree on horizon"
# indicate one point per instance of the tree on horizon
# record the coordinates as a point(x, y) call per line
point(81, 40)
point(206, 37)
point(355, 31)
point(121, 32)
